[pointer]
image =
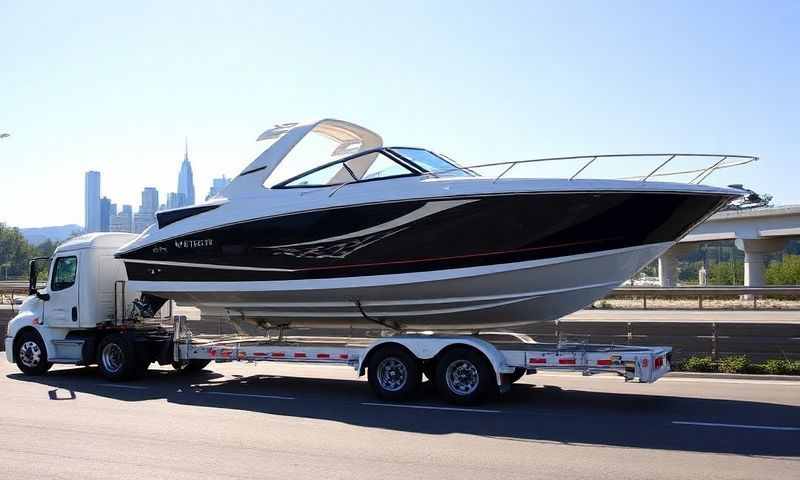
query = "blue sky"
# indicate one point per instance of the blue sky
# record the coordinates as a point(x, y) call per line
point(116, 86)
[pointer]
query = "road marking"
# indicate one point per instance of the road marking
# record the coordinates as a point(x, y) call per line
point(735, 425)
point(117, 385)
point(426, 407)
point(272, 397)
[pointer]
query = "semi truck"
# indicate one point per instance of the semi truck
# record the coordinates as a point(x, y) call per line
point(85, 314)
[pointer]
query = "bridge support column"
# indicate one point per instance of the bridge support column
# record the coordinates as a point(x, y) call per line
point(755, 251)
point(668, 264)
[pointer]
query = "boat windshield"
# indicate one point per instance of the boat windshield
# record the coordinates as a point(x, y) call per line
point(429, 161)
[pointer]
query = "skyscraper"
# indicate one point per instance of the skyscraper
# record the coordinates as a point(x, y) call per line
point(91, 201)
point(123, 221)
point(186, 179)
point(149, 200)
point(217, 185)
point(106, 214)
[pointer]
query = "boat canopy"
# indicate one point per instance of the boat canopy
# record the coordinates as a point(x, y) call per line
point(347, 138)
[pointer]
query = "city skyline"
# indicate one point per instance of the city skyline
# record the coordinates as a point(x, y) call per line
point(101, 215)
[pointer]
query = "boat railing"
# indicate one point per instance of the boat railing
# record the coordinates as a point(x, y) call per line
point(712, 163)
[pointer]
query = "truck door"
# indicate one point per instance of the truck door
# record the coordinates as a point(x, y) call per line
point(61, 310)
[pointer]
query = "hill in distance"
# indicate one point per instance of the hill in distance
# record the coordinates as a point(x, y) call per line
point(37, 235)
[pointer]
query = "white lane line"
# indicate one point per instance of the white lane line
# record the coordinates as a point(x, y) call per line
point(272, 397)
point(735, 425)
point(426, 407)
point(116, 385)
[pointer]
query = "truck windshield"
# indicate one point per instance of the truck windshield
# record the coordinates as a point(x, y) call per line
point(430, 162)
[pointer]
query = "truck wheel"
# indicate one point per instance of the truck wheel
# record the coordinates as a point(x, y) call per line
point(190, 365)
point(464, 376)
point(116, 357)
point(393, 373)
point(32, 354)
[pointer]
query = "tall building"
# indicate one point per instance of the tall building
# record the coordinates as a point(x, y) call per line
point(175, 200)
point(217, 185)
point(123, 221)
point(106, 214)
point(186, 179)
point(149, 200)
point(91, 202)
point(147, 210)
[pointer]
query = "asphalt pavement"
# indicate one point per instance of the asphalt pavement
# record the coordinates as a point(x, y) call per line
point(298, 421)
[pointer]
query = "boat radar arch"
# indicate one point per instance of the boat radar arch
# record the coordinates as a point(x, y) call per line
point(349, 138)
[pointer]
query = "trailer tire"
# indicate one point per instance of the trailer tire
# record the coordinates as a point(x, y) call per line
point(116, 357)
point(189, 366)
point(393, 373)
point(31, 354)
point(465, 376)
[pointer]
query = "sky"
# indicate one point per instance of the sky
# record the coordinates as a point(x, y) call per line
point(116, 86)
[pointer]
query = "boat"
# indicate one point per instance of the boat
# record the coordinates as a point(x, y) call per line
point(407, 238)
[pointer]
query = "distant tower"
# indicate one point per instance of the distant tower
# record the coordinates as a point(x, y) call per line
point(105, 214)
point(91, 202)
point(186, 179)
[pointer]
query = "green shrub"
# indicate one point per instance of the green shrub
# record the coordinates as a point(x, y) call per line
point(781, 367)
point(699, 364)
point(735, 364)
point(756, 369)
point(785, 272)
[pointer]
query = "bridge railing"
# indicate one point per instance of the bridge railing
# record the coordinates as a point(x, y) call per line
point(701, 293)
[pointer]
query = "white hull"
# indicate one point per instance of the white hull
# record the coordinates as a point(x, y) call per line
point(467, 298)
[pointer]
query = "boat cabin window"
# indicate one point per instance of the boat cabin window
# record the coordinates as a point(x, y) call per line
point(430, 162)
point(64, 273)
point(372, 165)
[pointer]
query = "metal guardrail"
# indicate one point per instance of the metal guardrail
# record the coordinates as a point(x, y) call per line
point(705, 292)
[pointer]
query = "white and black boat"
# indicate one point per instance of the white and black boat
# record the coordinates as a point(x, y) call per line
point(406, 238)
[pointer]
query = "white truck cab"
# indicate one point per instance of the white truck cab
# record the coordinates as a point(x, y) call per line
point(79, 296)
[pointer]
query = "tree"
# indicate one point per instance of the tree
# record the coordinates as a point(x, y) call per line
point(15, 251)
point(786, 272)
point(726, 273)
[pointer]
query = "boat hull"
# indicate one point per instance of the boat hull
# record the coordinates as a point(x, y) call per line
point(462, 262)
point(469, 298)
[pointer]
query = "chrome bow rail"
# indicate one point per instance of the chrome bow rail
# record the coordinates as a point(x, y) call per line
point(716, 162)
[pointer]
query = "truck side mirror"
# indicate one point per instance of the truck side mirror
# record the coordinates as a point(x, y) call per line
point(32, 274)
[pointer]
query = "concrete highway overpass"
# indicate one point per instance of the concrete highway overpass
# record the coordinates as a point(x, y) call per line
point(757, 232)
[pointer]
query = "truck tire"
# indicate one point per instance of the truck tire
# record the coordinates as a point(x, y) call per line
point(116, 357)
point(465, 376)
point(31, 354)
point(393, 373)
point(190, 365)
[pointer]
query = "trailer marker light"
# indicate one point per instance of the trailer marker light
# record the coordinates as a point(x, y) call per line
point(278, 354)
point(259, 354)
point(344, 356)
point(323, 355)
point(537, 360)
point(299, 355)
point(566, 361)
point(604, 362)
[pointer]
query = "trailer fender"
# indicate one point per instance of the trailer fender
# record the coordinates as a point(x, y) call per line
point(428, 347)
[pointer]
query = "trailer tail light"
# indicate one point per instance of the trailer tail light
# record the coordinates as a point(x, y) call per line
point(323, 355)
point(537, 360)
point(278, 354)
point(604, 362)
point(659, 362)
point(566, 361)
point(299, 355)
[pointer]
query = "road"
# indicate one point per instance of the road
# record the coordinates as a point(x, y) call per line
point(293, 421)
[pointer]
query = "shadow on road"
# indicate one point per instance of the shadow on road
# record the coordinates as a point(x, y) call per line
point(527, 413)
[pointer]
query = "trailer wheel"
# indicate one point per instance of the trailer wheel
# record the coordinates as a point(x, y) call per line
point(189, 366)
point(116, 357)
point(464, 376)
point(31, 354)
point(393, 373)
